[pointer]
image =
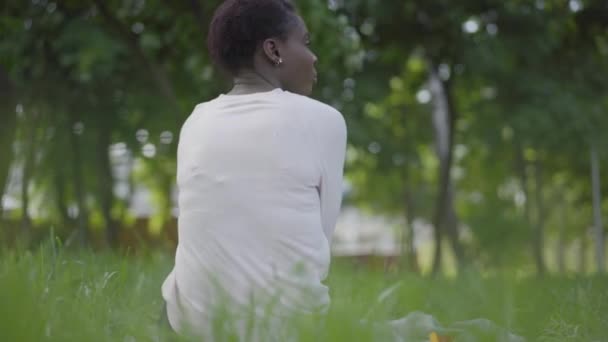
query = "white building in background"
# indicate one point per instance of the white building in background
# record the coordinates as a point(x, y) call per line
point(360, 233)
point(357, 232)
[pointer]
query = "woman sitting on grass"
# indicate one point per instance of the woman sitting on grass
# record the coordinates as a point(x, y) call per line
point(259, 172)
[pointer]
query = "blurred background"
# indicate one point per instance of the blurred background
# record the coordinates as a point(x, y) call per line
point(477, 128)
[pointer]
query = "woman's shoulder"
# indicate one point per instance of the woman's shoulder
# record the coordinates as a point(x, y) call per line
point(192, 119)
point(311, 108)
point(307, 102)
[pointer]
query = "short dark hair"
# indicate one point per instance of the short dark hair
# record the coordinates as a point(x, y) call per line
point(239, 26)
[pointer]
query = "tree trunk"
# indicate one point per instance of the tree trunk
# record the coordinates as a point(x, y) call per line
point(26, 221)
point(410, 256)
point(597, 211)
point(522, 171)
point(560, 251)
point(582, 254)
point(29, 138)
point(106, 183)
point(452, 218)
point(521, 166)
point(442, 137)
point(444, 117)
point(452, 223)
point(7, 131)
point(82, 220)
point(60, 198)
point(131, 182)
point(539, 228)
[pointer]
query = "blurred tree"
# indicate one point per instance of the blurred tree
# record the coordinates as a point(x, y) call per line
point(519, 62)
point(7, 130)
point(96, 68)
point(474, 116)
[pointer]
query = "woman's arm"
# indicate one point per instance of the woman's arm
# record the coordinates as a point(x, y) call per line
point(332, 139)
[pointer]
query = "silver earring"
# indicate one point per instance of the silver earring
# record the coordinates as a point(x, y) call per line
point(278, 61)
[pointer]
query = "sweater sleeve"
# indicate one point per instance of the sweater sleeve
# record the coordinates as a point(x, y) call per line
point(332, 139)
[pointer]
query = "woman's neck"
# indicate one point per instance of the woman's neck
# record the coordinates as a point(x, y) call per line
point(251, 81)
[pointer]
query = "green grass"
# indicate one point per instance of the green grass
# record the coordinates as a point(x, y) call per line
point(54, 295)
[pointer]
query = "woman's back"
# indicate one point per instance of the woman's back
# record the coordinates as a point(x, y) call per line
point(259, 180)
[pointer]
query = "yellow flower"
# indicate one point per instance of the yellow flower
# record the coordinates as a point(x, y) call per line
point(434, 337)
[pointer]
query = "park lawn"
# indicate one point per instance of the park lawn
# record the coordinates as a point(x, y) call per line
point(56, 295)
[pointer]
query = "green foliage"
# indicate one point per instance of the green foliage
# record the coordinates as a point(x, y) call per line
point(499, 232)
point(524, 76)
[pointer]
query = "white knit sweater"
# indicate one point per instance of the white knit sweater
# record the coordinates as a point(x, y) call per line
point(260, 186)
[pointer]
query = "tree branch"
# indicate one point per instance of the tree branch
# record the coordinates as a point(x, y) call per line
point(131, 39)
point(198, 13)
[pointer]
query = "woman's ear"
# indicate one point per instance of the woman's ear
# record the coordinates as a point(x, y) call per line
point(271, 50)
